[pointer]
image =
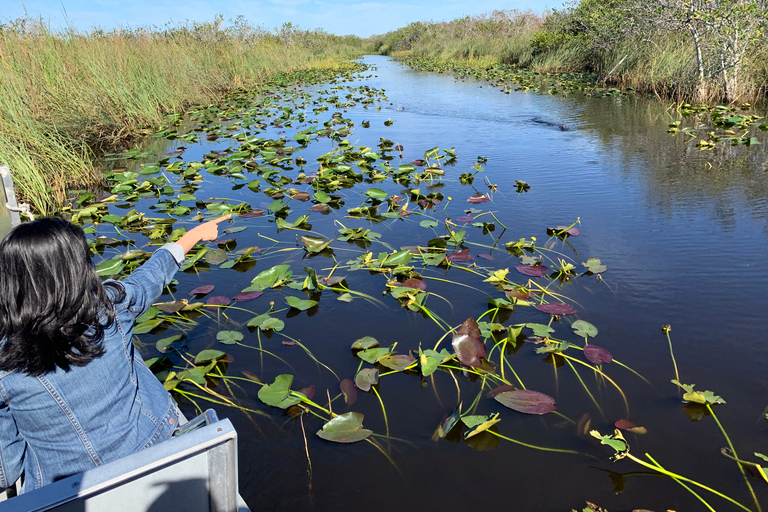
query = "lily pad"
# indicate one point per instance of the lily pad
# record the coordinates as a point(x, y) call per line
point(278, 394)
point(630, 427)
point(479, 423)
point(462, 255)
point(349, 391)
point(480, 198)
point(526, 401)
point(366, 378)
point(533, 270)
point(209, 355)
point(597, 355)
point(218, 300)
point(346, 428)
point(556, 308)
point(468, 346)
point(246, 296)
point(584, 329)
point(301, 305)
point(229, 337)
point(202, 290)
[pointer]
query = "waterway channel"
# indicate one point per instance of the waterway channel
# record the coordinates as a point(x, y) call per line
point(683, 234)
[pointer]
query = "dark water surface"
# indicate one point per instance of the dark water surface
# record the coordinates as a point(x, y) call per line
point(684, 235)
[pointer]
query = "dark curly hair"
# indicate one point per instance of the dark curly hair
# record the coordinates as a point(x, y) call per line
point(53, 306)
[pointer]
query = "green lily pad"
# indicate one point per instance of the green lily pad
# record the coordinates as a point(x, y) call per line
point(229, 337)
point(301, 305)
point(347, 428)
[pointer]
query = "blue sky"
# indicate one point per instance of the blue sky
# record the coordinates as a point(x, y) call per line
point(340, 17)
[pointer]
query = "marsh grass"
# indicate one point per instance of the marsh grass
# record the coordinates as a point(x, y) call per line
point(662, 64)
point(67, 96)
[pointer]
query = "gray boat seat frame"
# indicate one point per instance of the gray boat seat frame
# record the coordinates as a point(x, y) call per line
point(195, 471)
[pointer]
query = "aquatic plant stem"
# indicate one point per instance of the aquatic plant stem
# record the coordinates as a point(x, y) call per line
point(383, 410)
point(733, 450)
point(586, 388)
point(309, 460)
point(666, 330)
point(542, 448)
point(657, 467)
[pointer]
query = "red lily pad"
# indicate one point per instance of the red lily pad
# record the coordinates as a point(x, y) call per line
point(415, 283)
point(462, 255)
point(500, 389)
point(253, 213)
point(526, 401)
point(398, 148)
point(308, 392)
point(467, 344)
point(597, 355)
point(349, 391)
point(320, 207)
point(301, 196)
point(556, 308)
point(218, 301)
point(563, 231)
point(486, 257)
point(419, 163)
point(465, 219)
point(630, 427)
point(533, 270)
point(480, 198)
point(171, 307)
point(519, 292)
point(202, 290)
point(246, 296)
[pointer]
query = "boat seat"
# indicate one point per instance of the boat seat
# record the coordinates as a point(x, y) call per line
point(194, 471)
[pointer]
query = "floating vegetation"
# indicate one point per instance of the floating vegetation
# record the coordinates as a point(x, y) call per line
point(328, 222)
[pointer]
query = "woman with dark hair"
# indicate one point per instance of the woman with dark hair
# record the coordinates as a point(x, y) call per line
point(74, 394)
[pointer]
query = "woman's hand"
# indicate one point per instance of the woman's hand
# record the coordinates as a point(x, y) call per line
point(204, 232)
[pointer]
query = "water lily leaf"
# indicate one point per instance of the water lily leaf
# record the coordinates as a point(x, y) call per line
point(698, 397)
point(163, 344)
point(376, 193)
point(584, 329)
point(132, 255)
point(616, 441)
point(278, 394)
point(467, 344)
point(110, 268)
point(540, 329)
point(201, 290)
point(149, 314)
point(428, 223)
point(630, 427)
point(398, 258)
point(479, 198)
point(346, 428)
point(556, 308)
point(465, 219)
point(533, 270)
point(216, 257)
point(479, 423)
point(415, 283)
point(449, 422)
point(594, 266)
point(299, 304)
point(366, 378)
point(597, 355)
point(171, 307)
point(246, 296)
point(301, 196)
point(229, 337)
point(270, 278)
point(349, 391)
point(209, 355)
point(526, 401)
point(252, 213)
point(235, 229)
point(320, 207)
point(266, 323)
point(462, 255)
point(322, 197)
point(345, 297)
point(218, 300)
point(371, 355)
point(365, 342)
point(308, 392)
point(314, 244)
point(397, 363)
point(147, 326)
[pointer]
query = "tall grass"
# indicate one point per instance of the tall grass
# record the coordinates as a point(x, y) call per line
point(64, 95)
point(662, 61)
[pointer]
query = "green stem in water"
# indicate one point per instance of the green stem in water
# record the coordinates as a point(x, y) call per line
point(733, 451)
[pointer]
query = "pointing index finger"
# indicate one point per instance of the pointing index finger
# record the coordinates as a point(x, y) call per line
point(222, 218)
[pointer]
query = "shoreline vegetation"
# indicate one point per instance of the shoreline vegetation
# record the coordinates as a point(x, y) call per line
point(68, 97)
point(694, 51)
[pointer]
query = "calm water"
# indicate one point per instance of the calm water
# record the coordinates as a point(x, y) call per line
point(684, 235)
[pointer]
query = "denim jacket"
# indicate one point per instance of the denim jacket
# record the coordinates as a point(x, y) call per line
point(65, 422)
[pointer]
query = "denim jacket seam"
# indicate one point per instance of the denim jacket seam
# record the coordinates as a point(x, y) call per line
point(72, 419)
